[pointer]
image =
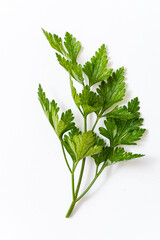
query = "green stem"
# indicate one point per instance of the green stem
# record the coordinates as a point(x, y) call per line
point(87, 189)
point(65, 157)
point(73, 183)
point(80, 177)
point(95, 123)
point(85, 124)
point(75, 193)
point(80, 110)
point(70, 209)
point(83, 163)
point(93, 181)
point(96, 169)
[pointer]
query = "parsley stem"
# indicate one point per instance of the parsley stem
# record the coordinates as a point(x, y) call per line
point(93, 181)
point(95, 124)
point(73, 184)
point(83, 163)
point(70, 209)
point(65, 157)
point(80, 110)
point(98, 117)
point(85, 124)
point(87, 189)
point(80, 177)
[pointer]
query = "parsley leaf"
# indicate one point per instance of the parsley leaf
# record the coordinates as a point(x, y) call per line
point(74, 131)
point(55, 42)
point(74, 69)
point(73, 47)
point(133, 107)
point(65, 124)
point(120, 113)
point(110, 155)
point(69, 60)
point(113, 90)
point(102, 156)
point(110, 130)
point(96, 70)
point(119, 154)
point(75, 95)
point(51, 110)
point(81, 145)
point(90, 101)
point(120, 131)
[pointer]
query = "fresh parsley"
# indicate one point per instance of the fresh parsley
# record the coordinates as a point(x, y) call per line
point(122, 124)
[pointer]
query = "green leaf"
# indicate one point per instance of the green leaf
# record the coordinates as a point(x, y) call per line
point(65, 124)
point(131, 137)
point(102, 156)
point(70, 147)
point(76, 72)
point(110, 130)
point(74, 131)
point(51, 110)
point(75, 96)
point(55, 42)
point(81, 145)
point(74, 69)
point(54, 114)
point(120, 131)
point(100, 141)
point(93, 150)
point(99, 145)
point(73, 47)
point(110, 156)
point(63, 62)
point(120, 113)
point(68, 139)
point(133, 107)
point(90, 101)
point(119, 154)
point(128, 131)
point(96, 70)
point(113, 90)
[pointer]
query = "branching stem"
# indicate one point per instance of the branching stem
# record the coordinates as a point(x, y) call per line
point(93, 181)
point(65, 157)
point(95, 123)
point(73, 195)
point(83, 162)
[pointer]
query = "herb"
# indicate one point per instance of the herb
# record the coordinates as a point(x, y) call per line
point(122, 124)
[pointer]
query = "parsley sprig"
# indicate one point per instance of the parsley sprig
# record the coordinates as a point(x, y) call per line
point(122, 124)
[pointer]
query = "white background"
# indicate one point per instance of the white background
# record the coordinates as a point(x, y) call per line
point(35, 190)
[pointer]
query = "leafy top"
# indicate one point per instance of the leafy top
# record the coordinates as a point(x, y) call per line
point(73, 47)
point(55, 42)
